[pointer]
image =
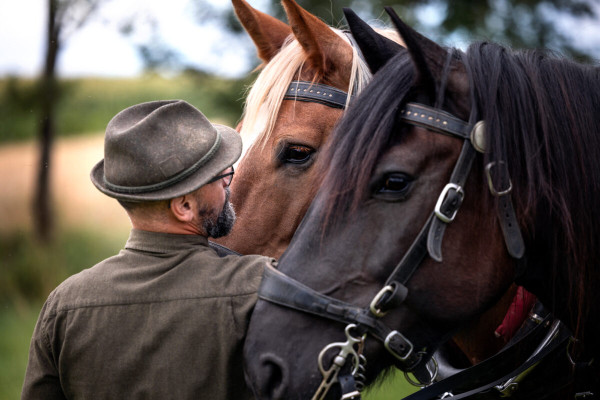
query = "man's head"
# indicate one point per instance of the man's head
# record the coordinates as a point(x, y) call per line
point(163, 160)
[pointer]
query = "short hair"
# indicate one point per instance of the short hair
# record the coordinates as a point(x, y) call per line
point(133, 206)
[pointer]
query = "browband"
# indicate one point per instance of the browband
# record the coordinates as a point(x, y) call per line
point(316, 93)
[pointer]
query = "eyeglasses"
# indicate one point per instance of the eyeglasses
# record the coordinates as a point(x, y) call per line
point(227, 177)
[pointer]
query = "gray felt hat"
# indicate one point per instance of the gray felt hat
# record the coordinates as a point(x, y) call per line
point(161, 150)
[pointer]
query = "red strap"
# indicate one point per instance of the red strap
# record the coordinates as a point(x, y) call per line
point(516, 314)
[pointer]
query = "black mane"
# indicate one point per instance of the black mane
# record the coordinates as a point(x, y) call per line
point(541, 111)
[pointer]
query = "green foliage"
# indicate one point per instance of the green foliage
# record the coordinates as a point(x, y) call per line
point(28, 273)
point(86, 105)
point(394, 386)
point(31, 271)
point(16, 327)
point(18, 109)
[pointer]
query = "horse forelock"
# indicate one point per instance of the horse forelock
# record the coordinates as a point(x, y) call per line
point(361, 137)
point(266, 94)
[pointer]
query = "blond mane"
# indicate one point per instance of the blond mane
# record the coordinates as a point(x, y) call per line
point(266, 94)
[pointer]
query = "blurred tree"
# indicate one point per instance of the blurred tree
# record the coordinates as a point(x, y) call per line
point(64, 18)
point(517, 23)
point(155, 53)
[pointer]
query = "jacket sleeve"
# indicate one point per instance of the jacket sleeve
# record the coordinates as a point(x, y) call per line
point(42, 380)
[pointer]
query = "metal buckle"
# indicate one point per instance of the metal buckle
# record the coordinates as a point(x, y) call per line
point(433, 375)
point(493, 190)
point(373, 306)
point(438, 212)
point(389, 338)
point(351, 396)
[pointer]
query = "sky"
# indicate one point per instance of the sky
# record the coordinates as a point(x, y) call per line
point(98, 49)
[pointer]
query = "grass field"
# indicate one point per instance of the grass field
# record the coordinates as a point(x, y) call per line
point(16, 326)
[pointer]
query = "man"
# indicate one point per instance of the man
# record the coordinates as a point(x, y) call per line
point(166, 317)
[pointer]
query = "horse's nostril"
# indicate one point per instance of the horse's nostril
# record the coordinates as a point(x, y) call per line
point(274, 381)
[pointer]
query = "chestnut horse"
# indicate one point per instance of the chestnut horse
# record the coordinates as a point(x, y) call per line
point(368, 253)
point(275, 180)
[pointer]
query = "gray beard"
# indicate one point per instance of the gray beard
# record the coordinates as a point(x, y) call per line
point(223, 223)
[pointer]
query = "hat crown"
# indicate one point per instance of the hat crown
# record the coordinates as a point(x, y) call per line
point(149, 145)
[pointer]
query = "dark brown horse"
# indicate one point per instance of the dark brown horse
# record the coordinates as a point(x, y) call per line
point(403, 160)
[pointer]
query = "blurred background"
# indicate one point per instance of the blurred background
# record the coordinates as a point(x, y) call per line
point(68, 66)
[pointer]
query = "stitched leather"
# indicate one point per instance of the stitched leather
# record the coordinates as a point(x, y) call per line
point(437, 120)
point(316, 93)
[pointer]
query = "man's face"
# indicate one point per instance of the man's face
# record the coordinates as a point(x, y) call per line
point(219, 224)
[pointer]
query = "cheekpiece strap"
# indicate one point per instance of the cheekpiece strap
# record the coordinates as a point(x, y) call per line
point(316, 93)
point(450, 201)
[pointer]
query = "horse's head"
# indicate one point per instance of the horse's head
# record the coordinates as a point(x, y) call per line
point(283, 132)
point(396, 156)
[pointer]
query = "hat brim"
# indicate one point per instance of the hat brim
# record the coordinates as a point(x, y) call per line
point(228, 153)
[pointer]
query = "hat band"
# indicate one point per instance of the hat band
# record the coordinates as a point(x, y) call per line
point(171, 181)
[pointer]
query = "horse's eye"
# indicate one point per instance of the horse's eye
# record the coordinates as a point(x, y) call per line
point(395, 183)
point(296, 154)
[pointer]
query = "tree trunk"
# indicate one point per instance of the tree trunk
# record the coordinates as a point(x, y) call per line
point(42, 211)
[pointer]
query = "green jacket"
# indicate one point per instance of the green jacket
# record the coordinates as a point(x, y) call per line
point(163, 319)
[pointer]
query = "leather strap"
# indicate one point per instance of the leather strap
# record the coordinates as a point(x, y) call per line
point(278, 288)
point(316, 93)
point(412, 258)
point(496, 369)
point(452, 202)
point(436, 119)
point(510, 227)
point(443, 122)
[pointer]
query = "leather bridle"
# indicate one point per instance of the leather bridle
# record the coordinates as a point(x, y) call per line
point(282, 290)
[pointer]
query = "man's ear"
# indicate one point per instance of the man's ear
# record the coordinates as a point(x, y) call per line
point(182, 209)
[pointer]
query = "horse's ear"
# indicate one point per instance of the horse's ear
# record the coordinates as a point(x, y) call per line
point(323, 47)
point(376, 48)
point(267, 33)
point(428, 56)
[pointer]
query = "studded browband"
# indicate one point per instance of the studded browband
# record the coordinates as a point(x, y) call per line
point(316, 93)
